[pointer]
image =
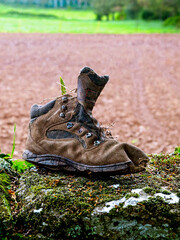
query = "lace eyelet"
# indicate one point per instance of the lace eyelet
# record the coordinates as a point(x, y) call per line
point(69, 125)
point(88, 135)
point(63, 107)
point(97, 142)
point(80, 130)
point(62, 115)
point(64, 99)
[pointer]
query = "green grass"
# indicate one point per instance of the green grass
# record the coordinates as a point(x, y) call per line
point(33, 20)
point(21, 165)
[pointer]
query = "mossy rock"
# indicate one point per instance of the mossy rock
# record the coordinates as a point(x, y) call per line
point(54, 205)
point(5, 210)
point(61, 206)
point(7, 175)
point(4, 203)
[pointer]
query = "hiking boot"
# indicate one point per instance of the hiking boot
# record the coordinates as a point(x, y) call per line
point(63, 135)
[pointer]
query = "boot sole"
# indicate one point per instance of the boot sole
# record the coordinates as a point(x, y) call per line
point(58, 163)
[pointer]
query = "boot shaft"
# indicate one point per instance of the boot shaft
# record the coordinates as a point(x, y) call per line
point(89, 88)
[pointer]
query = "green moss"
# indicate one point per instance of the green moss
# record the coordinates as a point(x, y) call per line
point(154, 212)
point(4, 185)
point(152, 191)
point(128, 195)
point(4, 179)
point(166, 192)
point(149, 190)
point(5, 209)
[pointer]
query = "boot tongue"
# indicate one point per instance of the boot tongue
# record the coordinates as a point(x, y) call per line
point(90, 86)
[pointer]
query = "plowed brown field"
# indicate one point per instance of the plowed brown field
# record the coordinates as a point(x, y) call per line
point(141, 102)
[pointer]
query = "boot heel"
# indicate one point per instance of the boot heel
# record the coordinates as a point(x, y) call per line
point(48, 161)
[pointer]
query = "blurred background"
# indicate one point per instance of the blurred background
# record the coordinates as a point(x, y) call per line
point(135, 42)
point(78, 16)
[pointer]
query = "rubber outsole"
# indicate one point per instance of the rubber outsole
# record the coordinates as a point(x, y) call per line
point(59, 163)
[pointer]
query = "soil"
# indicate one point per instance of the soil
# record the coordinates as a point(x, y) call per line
point(140, 103)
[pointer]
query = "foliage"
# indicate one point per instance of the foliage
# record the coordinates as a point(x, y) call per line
point(103, 8)
point(152, 15)
point(20, 165)
point(13, 166)
point(132, 8)
point(63, 87)
point(147, 9)
point(147, 14)
point(173, 21)
point(13, 147)
point(177, 150)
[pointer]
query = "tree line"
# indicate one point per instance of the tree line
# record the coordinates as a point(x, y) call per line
point(114, 9)
point(133, 9)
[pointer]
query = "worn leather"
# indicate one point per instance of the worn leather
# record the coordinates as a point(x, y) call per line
point(37, 110)
point(89, 88)
point(49, 134)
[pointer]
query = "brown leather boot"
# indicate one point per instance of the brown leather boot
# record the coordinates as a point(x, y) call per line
point(63, 135)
